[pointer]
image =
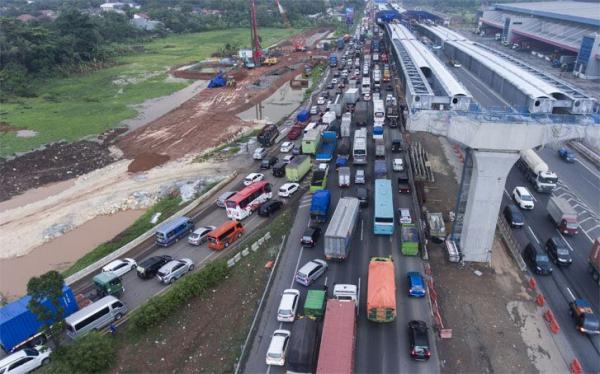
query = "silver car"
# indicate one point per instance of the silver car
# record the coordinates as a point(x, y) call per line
point(359, 177)
point(174, 270)
point(200, 235)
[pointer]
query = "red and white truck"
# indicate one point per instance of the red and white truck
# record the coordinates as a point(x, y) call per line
point(336, 354)
point(563, 215)
point(594, 261)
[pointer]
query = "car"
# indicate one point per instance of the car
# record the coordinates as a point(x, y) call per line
point(278, 348)
point(359, 176)
point(311, 271)
point(389, 87)
point(418, 339)
point(200, 235)
point(329, 85)
point(310, 236)
point(398, 164)
point(356, 72)
point(288, 158)
point(148, 268)
point(286, 147)
point(269, 207)
point(288, 305)
point(314, 110)
point(336, 73)
point(537, 259)
point(558, 251)
point(323, 166)
point(334, 81)
point(404, 214)
point(174, 269)
point(25, 360)
point(288, 189)
point(366, 97)
point(362, 194)
point(321, 99)
point(513, 216)
point(416, 284)
point(294, 132)
point(252, 178)
point(567, 155)
point(259, 153)
point(120, 267)
point(224, 196)
point(325, 94)
point(296, 150)
point(266, 163)
point(523, 197)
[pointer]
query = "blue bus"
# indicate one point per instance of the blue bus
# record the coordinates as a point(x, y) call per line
point(173, 230)
point(383, 222)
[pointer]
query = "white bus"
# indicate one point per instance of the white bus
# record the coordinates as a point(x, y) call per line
point(365, 86)
point(359, 149)
point(378, 111)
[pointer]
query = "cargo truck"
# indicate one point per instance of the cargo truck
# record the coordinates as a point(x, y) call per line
point(311, 141)
point(410, 239)
point(351, 97)
point(360, 113)
point(344, 176)
point(537, 171)
point(381, 290)
point(318, 181)
point(585, 320)
point(379, 148)
point(319, 205)
point(314, 305)
point(336, 353)
point(336, 105)
point(332, 60)
point(345, 127)
point(19, 326)
point(594, 261)
point(341, 227)
point(563, 215)
point(297, 168)
point(327, 146)
point(303, 348)
point(267, 135)
point(328, 118)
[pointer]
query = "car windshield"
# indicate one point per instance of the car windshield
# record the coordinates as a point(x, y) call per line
point(572, 226)
point(541, 258)
point(285, 312)
point(161, 273)
point(526, 198)
point(562, 251)
point(274, 355)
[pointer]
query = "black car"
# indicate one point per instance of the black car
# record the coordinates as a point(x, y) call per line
point(558, 251)
point(397, 145)
point(419, 340)
point(268, 162)
point(310, 236)
point(148, 268)
point(296, 150)
point(513, 216)
point(329, 86)
point(362, 194)
point(537, 259)
point(269, 208)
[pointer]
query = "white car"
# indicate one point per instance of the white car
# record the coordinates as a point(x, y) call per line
point(200, 235)
point(278, 348)
point(314, 109)
point(288, 189)
point(366, 97)
point(174, 269)
point(321, 99)
point(286, 147)
point(523, 197)
point(404, 214)
point(398, 164)
point(120, 267)
point(252, 178)
point(288, 305)
point(288, 158)
point(25, 360)
point(335, 81)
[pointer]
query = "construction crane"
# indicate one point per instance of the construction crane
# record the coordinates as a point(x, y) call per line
point(286, 21)
point(255, 41)
point(298, 41)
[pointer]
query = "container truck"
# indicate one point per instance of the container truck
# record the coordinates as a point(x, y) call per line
point(311, 141)
point(379, 148)
point(380, 169)
point(344, 176)
point(345, 126)
point(319, 205)
point(594, 261)
point(303, 348)
point(537, 171)
point(19, 326)
point(381, 290)
point(318, 181)
point(336, 353)
point(339, 232)
point(332, 60)
point(410, 239)
point(585, 320)
point(267, 135)
point(563, 215)
point(327, 146)
point(297, 168)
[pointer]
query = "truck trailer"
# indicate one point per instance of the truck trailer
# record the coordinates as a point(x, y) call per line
point(345, 126)
point(336, 354)
point(327, 146)
point(297, 168)
point(319, 205)
point(340, 229)
point(311, 141)
point(563, 215)
point(303, 348)
point(381, 290)
point(537, 171)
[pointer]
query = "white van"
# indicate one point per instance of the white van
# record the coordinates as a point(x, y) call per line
point(95, 316)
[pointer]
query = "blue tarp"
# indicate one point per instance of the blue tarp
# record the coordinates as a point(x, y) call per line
point(303, 115)
point(217, 81)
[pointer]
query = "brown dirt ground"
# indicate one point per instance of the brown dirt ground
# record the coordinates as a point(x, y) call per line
point(485, 338)
point(207, 335)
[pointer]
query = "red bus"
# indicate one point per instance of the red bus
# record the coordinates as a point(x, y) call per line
point(246, 201)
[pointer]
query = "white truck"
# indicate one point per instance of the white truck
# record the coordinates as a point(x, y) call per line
point(344, 176)
point(537, 171)
point(341, 227)
point(351, 96)
point(345, 126)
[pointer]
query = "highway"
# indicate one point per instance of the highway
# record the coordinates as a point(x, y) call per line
point(381, 348)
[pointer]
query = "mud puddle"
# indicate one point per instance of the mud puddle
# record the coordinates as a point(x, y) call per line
point(277, 106)
point(61, 252)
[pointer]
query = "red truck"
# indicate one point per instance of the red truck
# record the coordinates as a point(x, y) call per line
point(563, 215)
point(594, 261)
point(336, 355)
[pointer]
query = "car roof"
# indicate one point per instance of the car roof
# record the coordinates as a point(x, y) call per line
point(277, 343)
point(287, 300)
point(522, 190)
point(415, 277)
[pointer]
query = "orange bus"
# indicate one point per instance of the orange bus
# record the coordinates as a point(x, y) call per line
point(225, 234)
point(381, 290)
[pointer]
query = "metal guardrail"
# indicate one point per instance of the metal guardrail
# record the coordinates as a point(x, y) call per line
point(589, 154)
point(511, 243)
point(145, 236)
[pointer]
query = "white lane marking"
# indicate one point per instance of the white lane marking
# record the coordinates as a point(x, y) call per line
point(506, 193)
point(362, 229)
point(588, 169)
point(297, 265)
point(571, 293)
point(565, 239)
point(535, 237)
point(533, 197)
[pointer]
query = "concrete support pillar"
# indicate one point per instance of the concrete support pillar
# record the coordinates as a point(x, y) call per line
point(490, 169)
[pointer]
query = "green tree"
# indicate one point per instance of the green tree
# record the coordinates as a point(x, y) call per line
point(47, 287)
point(91, 353)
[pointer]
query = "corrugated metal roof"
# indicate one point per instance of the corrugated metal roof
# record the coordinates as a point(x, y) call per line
point(343, 217)
point(574, 11)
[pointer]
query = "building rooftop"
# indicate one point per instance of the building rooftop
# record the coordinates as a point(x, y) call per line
point(573, 11)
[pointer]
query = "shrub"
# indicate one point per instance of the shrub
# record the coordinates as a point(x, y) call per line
point(91, 353)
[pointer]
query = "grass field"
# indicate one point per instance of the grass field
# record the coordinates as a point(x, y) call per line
point(82, 105)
